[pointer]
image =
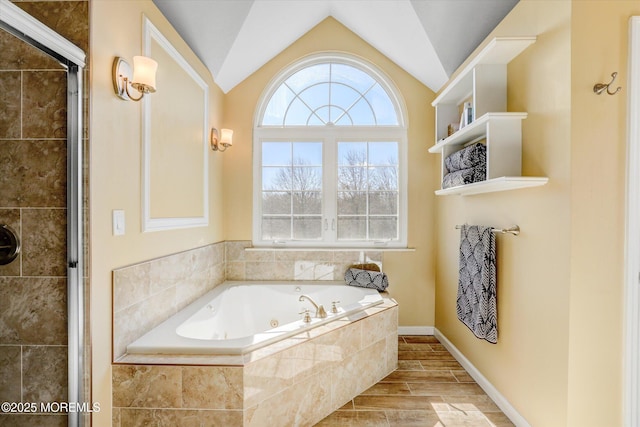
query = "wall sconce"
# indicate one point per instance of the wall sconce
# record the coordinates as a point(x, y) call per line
point(225, 139)
point(143, 80)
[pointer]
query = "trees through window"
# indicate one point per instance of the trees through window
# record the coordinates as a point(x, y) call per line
point(329, 158)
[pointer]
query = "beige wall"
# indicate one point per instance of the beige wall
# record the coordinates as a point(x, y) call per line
point(599, 35)
point(115, 165)
point(411, 274)
point(558, 360)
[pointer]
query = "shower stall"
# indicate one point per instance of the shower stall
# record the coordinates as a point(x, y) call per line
point(43, 282)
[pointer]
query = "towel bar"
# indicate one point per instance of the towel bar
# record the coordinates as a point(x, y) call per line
point(514, 229)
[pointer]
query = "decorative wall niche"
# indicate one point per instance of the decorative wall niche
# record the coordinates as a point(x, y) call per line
point(175, 150)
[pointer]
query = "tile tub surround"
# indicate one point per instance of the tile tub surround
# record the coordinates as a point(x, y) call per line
point(146, 294)
point(243, 262)
point(295, 382)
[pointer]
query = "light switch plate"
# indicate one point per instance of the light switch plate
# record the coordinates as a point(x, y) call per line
point(118, 222)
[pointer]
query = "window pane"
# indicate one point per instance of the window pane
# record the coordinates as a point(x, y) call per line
point(277, 106)
point(352, 203)
point(319, 116)
point(316, 96)
point(297, 114)
point(381, 104)
point(383, 178)
point(352, 153)
point(276, 202)
point(307, 178)
point(276, 153)
point(342, 97)
point(307, 153)
point(308, 76)
point(362, 114)
point(352, 178)
point(277, 178)
point(351, 76)
point(383, 228)
point(274, 228)
point(307, 203)
point(352, 228)
point(383, 203)
point(307, 228)
point(383, 153)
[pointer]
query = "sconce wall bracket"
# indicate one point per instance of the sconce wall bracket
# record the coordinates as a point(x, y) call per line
point(121, 76)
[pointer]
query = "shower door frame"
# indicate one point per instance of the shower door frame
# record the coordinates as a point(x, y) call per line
point(28, 29)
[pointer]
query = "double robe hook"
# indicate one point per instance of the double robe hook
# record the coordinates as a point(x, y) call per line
point(601, 87)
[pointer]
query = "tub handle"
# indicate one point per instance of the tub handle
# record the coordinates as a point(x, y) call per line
point(307, 316)
point(334, 309)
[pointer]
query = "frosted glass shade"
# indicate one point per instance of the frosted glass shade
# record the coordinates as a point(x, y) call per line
point(144, 74)
point(226, 137)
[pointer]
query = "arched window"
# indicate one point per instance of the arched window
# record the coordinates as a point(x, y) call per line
point(330, 157)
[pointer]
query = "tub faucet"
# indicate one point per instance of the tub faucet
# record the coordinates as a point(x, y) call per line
point(320, 311)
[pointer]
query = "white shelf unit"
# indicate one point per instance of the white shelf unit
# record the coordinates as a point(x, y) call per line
point(483, 81)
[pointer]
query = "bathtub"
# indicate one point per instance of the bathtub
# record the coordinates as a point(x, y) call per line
point(239, 317)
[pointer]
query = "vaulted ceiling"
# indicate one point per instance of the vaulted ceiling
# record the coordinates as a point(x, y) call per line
point(427, 38)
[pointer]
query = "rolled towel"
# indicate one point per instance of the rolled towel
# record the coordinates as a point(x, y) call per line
point(466, 158)
point(465, 176)
point(366, 279)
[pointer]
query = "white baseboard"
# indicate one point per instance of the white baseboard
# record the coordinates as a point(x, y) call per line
point(484, 383)
point(415, 330)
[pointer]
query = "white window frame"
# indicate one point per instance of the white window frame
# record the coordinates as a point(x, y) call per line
point(330, 135)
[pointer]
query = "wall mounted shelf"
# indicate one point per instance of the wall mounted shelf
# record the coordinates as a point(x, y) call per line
point(493, 185)
point(483, 83)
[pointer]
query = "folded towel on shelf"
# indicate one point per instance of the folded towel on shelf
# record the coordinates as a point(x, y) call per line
point(465, 176)
point(466, 158)
point(476, 301)
point(366, 279)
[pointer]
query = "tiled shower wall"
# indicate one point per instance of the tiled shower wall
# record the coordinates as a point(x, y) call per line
point(33, 313)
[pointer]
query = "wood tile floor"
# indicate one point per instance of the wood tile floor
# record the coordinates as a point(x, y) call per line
point(429, 389)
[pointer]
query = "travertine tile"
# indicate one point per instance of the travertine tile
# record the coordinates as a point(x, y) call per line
point(235, 270)
point(44, 377)
point(33, 311)
point(304, 403)
point(375, 328)
point(35, 175)
point(10, 375)
point(44, 236)
point(147, 386)
point(44, 110)
point(235, 250)
point(69, 18)
point(178, 418)
point(131, 285)
point(30, 420)
point(10, 102)
point(212, 387)
point(18, 55)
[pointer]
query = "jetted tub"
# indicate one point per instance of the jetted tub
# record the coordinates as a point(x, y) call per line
point(238, 317)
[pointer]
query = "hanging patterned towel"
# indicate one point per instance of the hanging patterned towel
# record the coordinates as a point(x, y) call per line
point(366, 279)
point(476, 303)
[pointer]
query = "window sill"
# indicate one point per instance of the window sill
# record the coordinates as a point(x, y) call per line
point(326, 249)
